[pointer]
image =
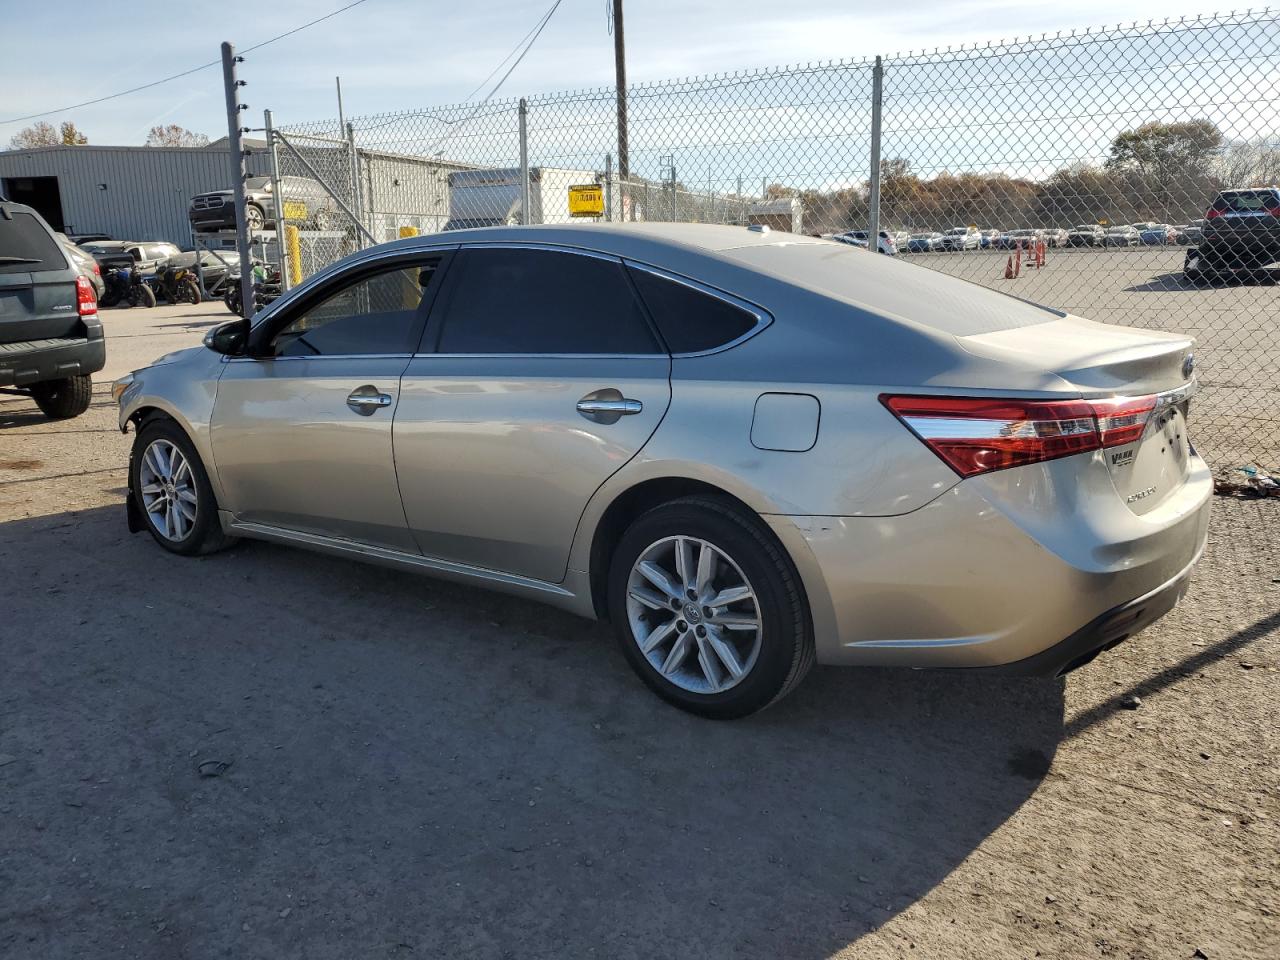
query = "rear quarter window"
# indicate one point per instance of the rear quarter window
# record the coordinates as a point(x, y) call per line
point(690, 320)
point(27, 246)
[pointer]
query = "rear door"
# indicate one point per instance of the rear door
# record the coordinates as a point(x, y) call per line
point(37, 281)
point(540, 377)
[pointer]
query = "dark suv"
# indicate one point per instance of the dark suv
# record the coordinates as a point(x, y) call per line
point(1240, 234)
point(50, 336)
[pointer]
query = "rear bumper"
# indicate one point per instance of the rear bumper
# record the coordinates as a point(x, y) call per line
point(22, 364)
point(998, 570)
point(1102, 633)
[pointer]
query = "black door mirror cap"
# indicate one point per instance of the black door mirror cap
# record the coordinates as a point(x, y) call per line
point(228, 339)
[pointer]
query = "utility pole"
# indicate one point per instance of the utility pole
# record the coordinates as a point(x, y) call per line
point(231, 87)
point(620, 79)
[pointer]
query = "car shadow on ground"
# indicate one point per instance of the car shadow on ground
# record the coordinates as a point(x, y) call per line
point(1178, 283)
point(270, 751)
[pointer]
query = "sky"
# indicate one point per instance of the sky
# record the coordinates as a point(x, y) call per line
point(408, 54)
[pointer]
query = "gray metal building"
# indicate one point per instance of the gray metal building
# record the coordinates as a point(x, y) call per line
point(142, 193)
point(132, 193)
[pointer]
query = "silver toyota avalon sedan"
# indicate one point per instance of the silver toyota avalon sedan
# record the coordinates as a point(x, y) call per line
point(749, 451)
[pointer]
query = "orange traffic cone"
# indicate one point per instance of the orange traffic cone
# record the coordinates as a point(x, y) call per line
point(1017, 264)
point(1008, 268)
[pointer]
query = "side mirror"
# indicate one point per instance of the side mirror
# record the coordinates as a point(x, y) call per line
point(228, 339)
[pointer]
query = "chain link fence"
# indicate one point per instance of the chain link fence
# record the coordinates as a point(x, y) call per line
point(1075, 170)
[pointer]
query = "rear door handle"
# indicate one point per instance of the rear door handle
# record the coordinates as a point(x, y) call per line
point(623, 408)
point(367, 400)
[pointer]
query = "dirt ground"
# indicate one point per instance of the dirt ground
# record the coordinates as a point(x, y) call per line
point(268, 753)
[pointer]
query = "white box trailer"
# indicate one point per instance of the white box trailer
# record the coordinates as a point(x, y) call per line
point(491, 198)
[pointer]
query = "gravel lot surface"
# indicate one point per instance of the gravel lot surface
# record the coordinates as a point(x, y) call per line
point(269, 753)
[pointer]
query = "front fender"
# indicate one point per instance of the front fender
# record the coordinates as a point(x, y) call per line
point(184, 390)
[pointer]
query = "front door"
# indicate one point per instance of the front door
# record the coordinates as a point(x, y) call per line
point(544, 381)
point(301, 429)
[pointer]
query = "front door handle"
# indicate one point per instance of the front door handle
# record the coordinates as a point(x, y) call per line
point(367, 400)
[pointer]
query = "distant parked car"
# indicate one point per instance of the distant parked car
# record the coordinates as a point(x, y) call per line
point(1193, 232)
point(962, 238)
point(1026, 236)
point(84, 263)
point(1122, 235)
point(1086, 235)
point(887, 245)
point(924, 242)
point(78, 238)
point(1158, 234)
point(144, 256)
point(1055, 237)
point(1240, 236)
point(305, 201)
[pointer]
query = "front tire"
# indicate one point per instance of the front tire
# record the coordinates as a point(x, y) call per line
point(65, 398)
point(254, 218)
point(173, 492)
point(708, 609)
point(142, 296)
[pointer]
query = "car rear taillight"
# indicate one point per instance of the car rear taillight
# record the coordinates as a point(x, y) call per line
point(86, 299)
point(1212, 213)
point(974, 435)
point(97, 269)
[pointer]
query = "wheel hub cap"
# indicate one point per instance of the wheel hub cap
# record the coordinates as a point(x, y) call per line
point(693, 614)
point(167, 489)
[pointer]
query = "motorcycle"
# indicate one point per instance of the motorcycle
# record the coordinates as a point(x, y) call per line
point(266, 287)
point(178, 284)
point(125, 284)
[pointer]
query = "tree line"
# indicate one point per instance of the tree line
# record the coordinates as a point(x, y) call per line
point(1163, 172)
point(67, 134)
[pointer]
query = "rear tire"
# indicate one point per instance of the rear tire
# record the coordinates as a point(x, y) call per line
point(63, 399)
point(188, 292)
point(173, 492)
point(142, 296)
point(721, 672)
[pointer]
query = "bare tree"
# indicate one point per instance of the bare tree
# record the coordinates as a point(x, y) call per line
point(175, 136)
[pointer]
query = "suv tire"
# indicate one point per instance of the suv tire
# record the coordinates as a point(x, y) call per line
point(63, 399)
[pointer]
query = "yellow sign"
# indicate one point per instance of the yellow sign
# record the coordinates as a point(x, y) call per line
point(586, 200)
point(1103, 222)
point(295, 210)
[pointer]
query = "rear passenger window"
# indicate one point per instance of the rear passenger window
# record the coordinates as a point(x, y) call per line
point(690, 320)
point(528, 301)
point(27, 247)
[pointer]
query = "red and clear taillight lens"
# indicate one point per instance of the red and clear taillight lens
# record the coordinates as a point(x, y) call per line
point(86, 298)
point(974, 435)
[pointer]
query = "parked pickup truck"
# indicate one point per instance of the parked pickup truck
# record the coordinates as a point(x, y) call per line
point(51, 340)
point(306, 202)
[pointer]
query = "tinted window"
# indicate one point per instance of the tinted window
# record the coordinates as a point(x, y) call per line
point(1248, 201)
point(27, 247)
point(542, 301)
point(689, 320)
point(376, 314)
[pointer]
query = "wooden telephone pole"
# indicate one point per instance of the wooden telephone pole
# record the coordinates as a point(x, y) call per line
point(620, 69)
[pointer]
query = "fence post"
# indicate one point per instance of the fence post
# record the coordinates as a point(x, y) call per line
point(525, 213)
point(353, 162)
point(608, 186)
point(873, 197)
point(274, 154)
point(231, 87)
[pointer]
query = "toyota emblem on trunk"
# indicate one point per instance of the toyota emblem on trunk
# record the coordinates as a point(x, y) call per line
point(1188, 366)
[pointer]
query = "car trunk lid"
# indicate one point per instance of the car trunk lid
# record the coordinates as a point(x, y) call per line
point(1141, 383)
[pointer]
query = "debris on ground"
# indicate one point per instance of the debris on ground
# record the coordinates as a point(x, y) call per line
point(213, 768)
point(1131, 703)
point(1249, 480)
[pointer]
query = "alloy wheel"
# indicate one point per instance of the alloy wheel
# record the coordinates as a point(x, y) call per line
point(168, 490)
point(694, 614)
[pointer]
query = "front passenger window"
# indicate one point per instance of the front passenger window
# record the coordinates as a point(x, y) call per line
point(377, 314)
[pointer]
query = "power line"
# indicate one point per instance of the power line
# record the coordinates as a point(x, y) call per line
point(184, 73)
point(503, 61)
point(537, 32)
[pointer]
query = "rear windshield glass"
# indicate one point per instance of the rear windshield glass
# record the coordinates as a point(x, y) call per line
point(884, 286)
point(1247, 201)
point(27, 247)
